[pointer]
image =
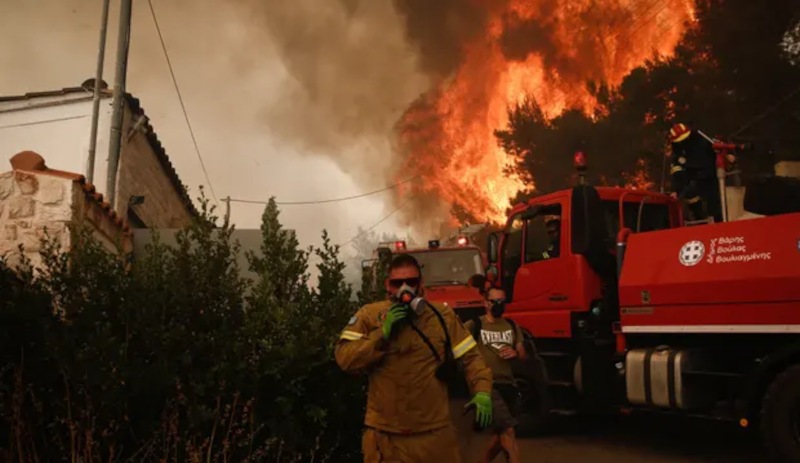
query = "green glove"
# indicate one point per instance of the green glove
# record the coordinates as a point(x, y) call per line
point(395, 314)
point(483, 408)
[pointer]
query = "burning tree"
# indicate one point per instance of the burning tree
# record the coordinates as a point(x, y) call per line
point(498, 53)
point(727, 71)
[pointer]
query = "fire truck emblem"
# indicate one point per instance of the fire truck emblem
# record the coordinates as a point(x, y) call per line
point(691, 253)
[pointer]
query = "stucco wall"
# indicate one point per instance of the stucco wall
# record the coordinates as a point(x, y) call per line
point(59, 128)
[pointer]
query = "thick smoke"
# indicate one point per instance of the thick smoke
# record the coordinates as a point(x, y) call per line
point(352, 74)
point(440, 29)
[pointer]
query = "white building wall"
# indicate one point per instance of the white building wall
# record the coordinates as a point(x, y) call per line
point(59, 132)
point(58, 128)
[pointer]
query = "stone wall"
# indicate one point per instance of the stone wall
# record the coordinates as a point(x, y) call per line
point(31, 208)
point(37, 203)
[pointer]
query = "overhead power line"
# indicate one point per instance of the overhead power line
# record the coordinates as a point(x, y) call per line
point(364, 232)
point(183, 106)
point(768, 111)
point(325, 201)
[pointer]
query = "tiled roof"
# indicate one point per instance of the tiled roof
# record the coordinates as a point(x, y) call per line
point(29, 161)
point(161, 154)
point(62, 92)
point(136, 108)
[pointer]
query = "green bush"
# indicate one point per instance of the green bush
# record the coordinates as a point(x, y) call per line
point(165, 359)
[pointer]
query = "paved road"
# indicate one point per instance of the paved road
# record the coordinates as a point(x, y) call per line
point(642, 439)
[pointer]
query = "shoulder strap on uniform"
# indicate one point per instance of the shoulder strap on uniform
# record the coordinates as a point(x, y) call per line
point(426, 341)
point(447, 345)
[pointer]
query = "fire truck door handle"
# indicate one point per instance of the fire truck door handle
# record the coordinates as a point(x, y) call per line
point(558, 297)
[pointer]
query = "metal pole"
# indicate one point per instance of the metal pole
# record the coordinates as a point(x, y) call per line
point(227, 210)
point(123, 41)
point(96, 102)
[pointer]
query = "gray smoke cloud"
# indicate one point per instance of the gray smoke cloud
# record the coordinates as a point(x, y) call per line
point(351, 73)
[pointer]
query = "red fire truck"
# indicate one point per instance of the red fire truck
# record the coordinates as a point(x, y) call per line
point(638, 311)
point(446, 272)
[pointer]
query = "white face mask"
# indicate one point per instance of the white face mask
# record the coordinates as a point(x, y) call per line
point(405, 289)
point(408, 295)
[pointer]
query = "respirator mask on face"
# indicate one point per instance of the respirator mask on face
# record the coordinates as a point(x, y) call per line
point(497, 308)
point(408, 295)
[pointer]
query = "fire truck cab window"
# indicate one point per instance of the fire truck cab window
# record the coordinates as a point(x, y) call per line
point(511, 254)
point(448, 267)
point(543, 235)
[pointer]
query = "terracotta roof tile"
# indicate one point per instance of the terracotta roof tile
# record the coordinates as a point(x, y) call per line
point(32, 162)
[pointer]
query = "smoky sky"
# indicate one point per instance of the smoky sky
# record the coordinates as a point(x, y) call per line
point(439, 30)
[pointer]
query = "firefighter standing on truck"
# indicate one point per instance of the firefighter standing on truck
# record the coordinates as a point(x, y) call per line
point(693, 172)
point(402, 349)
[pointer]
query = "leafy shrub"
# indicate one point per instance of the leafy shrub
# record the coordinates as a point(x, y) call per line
point(164, 358)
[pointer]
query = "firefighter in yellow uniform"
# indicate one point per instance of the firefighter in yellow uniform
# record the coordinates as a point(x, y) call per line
point(401, 347)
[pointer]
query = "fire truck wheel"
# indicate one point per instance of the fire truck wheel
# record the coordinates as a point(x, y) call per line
point(780, 416)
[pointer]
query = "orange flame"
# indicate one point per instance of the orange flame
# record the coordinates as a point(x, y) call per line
point(639, 179)
point(448, 136)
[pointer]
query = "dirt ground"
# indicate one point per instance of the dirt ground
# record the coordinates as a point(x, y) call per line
point(632, 439)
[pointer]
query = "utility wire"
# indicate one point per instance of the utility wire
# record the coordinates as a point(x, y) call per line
point(24, 124)
point(183, 107)
point(769, 110)
point(324, 201)
point(374, 225)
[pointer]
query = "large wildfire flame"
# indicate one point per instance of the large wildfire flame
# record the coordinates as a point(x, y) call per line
point(548, 49)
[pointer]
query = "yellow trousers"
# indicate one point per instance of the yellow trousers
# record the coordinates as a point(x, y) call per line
point(436, 446)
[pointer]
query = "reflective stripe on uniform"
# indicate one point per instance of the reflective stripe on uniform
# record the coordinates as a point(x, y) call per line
point(351, 335)
point(675, 169)
point(464, 346)
point(693, 200)
point(546, 255)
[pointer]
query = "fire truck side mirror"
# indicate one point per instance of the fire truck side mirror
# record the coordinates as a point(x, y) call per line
point(367, 263)
point(493, 248)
